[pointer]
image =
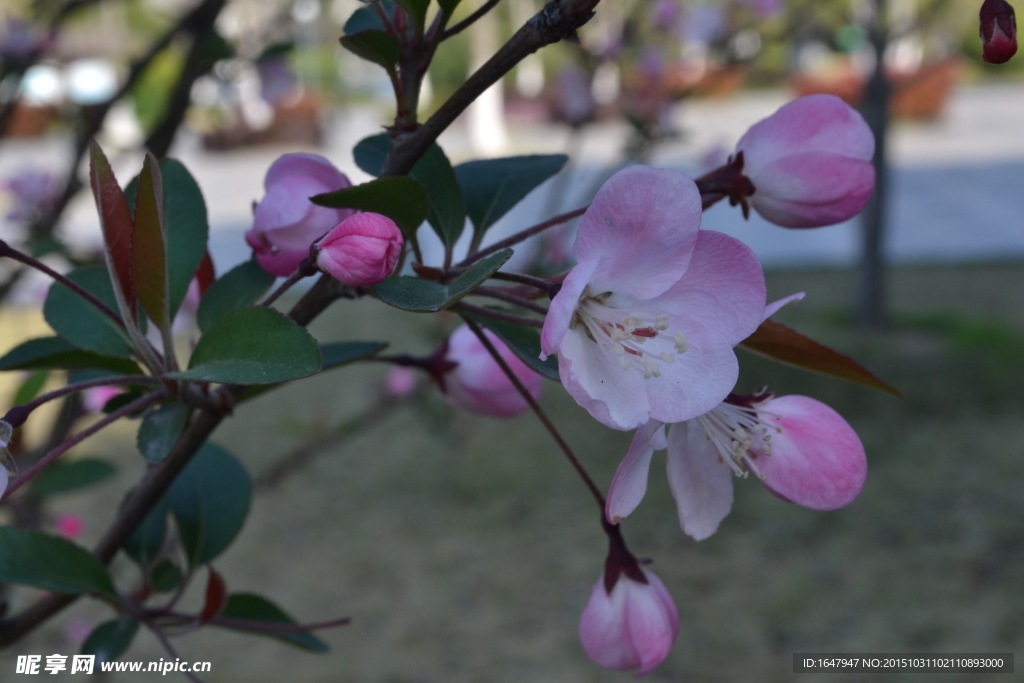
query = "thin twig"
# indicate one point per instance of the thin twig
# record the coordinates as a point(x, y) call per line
point(137, 404)
point(539, 283)
point(275, 627)
point(21, 413)
point(541, 415)
point(503, 294)
point(522, 235)
point(498, 315)
point(468, 21)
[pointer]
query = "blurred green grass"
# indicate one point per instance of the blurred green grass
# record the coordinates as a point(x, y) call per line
point(464, 549)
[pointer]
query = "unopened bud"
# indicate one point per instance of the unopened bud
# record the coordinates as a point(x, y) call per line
point(362, 250)
point(998, 31)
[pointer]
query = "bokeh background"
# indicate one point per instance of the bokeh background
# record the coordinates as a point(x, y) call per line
point(463, 548)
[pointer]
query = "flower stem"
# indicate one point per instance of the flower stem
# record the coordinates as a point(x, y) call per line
point(502, 294)
point(17, 415)
point(523, 234)
point(60, 450)
point(549, 288)
point(498, 315)
point(541, 415)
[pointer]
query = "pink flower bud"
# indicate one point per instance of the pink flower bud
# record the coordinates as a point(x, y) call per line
point(477, 383)
point(362, 250)
point(400, 382)
point(286, 222)
point(998, 31)
point(631, 627)
point(810, 163)
point(70, 526)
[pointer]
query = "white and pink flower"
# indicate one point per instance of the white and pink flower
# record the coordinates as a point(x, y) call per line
point(802, 451)
point(645, 323)
point(286, 222)
point(809, 162)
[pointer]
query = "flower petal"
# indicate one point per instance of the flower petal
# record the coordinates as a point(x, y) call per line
point(630, 482)
point(651, 623)
point(817, 459)
point(812, 189)
point(642, 226)
point(702, 485)
point(563, 306)
point(307, 165)
point(773, 308)
point(603, 628)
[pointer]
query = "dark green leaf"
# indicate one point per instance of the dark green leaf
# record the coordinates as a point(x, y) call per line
point(524, 342)
point(115, 219)
point(64, 476)
point(378, 47)
point(416, 8)
point(50, 563)
point(253, 346)
point(366, 19)
point(55, 353)
point(209, 501)
point(335, 355)
point(149, 245)
point(78, 322)
point(185, 224)
point(403, 200)
point(147, 540)
point(424, 296)
point(249, 607)
point(239, 287)
point(160, 429)
point(448, 5)
point(447, 210)
point(121, 400)
point(493, 186)
point(109, 640)
point(166, 577)
point(31, 387)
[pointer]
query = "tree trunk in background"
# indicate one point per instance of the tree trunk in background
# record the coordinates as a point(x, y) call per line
point(871, 295)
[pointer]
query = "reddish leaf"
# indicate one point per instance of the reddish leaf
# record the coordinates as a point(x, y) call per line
point(149, 246)
point(116, 219)
point(216, 597)
point(206, 274)
point(789, 346)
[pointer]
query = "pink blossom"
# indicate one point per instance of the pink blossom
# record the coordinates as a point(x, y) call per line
point(400, 382)
point(362, 250)
point(632, 626)
point(644, 325)
point(286, 222)
point(810, 163)
point(70, 526)
point(998, 31)
point(95, 399)
point(477, 384)
point(801, 450)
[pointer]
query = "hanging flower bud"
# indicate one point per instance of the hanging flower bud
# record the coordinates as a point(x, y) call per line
point(362, 250)
point(998, 31)
point(477, 384)
point(809, 162)
point(286, 222)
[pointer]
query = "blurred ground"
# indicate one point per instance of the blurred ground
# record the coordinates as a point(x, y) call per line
point(464, 549)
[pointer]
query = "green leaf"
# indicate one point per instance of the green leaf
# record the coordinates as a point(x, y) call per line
point(335, 355)
point(374, 46)
point(416, 8)
point(250, 607)
point(366, 19)
point(64, 476)
point(253, 346)
point(36, 559)
point(115, 219)
point(31, 387)
point(781, 343)
point(493, 186)
point(111, 639)
point(403, 200)
point(147, 540)
point(209, 501)
point(448, 5)
point(160, 429)
point(447, 210)
point(149, 247)
point(523, 341)
point(57, 354)
point(424, 296)
point(185, 224)
point(166, 577)
point(78, 322)
point(239, 287)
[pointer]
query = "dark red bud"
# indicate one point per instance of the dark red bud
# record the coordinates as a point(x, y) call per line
point(998, 31)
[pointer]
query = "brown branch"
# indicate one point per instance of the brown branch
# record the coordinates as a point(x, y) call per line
point(470, 20)
point(523, 234)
